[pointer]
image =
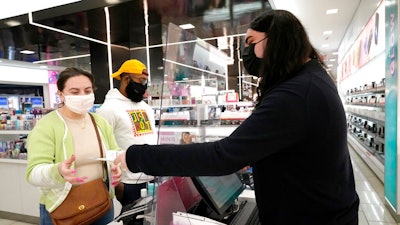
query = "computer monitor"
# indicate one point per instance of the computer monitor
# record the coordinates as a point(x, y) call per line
point(219, 192)
point(4, 103)
point(177, 194)
point(37, 102)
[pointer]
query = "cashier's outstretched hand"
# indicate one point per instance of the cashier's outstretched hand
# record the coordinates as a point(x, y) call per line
point(121, 160)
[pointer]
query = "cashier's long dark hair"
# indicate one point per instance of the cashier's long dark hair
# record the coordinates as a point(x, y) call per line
point(288, 47)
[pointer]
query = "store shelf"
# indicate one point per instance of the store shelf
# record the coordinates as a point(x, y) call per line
point(366, 137)
point(16, 161)
point(239, 104)
point(369, 105)
point(380, 89)
point(371, 113)
point(14, 132)
point(222, 130)
point(374, 161)
point(373, 151)
point(172, 134)
point(173, 106)
point(371, 99)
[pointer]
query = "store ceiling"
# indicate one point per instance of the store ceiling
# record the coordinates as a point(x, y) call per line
point(312, 13)
point(211, 19)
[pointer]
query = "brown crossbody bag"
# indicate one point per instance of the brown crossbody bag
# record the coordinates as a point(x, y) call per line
point(85, 203)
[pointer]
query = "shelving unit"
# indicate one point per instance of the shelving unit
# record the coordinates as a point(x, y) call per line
point(14, 132)
point(365, 111)
point(202, 120)
point(17, 196)
point(372, 97)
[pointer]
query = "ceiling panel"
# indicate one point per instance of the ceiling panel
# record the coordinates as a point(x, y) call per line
point(211, 19)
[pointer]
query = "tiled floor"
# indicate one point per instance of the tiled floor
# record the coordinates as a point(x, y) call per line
point(372, 210)
point(370, 189)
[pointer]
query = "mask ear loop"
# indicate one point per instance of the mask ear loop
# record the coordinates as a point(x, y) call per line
point(261, 40)
point(61, 94)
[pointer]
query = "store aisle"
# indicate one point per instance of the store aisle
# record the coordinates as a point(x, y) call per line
point(370, 189)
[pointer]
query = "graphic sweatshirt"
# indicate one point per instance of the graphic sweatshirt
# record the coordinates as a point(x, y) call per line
point(133, 123)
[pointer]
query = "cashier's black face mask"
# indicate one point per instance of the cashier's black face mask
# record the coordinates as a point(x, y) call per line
point(250, 61)
point(135, 91)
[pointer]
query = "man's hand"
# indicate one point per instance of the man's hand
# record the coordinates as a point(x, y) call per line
point(121, 160)
point(116, 174)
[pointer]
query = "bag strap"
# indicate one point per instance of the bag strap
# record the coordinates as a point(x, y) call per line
point(97, 134)
point(99, 141)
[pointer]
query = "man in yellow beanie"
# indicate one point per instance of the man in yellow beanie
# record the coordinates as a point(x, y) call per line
point(132, 120)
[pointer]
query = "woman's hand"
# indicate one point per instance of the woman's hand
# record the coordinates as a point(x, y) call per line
point(64, 168)
point(116, 174)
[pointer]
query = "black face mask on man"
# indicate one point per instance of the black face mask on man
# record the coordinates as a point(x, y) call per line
point(135, 91)
point(250, 61)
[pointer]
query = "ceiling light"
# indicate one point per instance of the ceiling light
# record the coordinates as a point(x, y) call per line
point(331, 11)
point(62, 58)
point(332, 60)
point(186, 26)
point(27, 52)
point(20, 7)
point(222, 43)
point(335, 53)
point(113, 1)
point(328, 32)
point(330, 65)
point(325, 45)
point(13, 23)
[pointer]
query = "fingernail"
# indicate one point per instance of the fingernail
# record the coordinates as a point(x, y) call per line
point(73, 171)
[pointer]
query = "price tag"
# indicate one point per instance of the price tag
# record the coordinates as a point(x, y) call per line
point(232, 97)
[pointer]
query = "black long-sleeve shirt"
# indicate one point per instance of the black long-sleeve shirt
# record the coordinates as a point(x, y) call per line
point(296, 141)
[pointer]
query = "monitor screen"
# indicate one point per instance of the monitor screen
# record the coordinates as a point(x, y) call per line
point(177, 194)
point(37, 101)
point(3, 103)
point(219, 192)
point(28, 102)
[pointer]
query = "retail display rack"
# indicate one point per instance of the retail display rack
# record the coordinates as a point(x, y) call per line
point(365, 111)
point(206, 122)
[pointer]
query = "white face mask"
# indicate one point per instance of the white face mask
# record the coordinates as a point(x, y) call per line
point(79, 103)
